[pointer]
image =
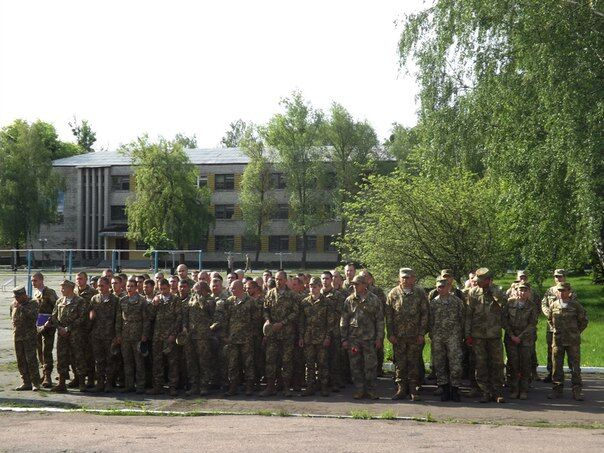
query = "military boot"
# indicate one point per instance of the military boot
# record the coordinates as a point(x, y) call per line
point(547, 379)
point(556, 392)
point(455, 396)
point(60, 387)
point(155, 390)
point(109, 388)
point(359, 394)
point(514, 391)
point(232, 391)
point(74, 383)
point(249, 389)
point(269, 390)
point(47, 382)
point(485, 398)
point(577, 393)
point(286, 390)
point(24, 386)
point(446, 392)
point(401, 392)
point(438, 391)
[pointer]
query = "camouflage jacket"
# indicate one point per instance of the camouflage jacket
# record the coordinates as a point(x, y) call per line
point(283, 307)
point(219, 301)
point(362, 319)
point(446, 317)
point(567, 320)
point(520, 320)
point(316, 323)
point(198, 315)
point(407, 314)
point(258, 316)
point(46, 300)
point(86, 293)
point(347, 287)
point(235, 317)
point(133, 321)
point(484, 312)
point(336, 302)
point(103, 324)
point(24, 316)
point(167, 316)
point(551, 294)
point(71, 315)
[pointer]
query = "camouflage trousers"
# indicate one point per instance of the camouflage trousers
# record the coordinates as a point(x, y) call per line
point(574, 358)
point(259, 358)
point(221, 359)
point(363, 364)
point(89, 354)
point(335, 362)
point(27, 361)
point(183, 375)
point(241, 359)
point(549, 339)
point(299, 366)
point(134, 364)
point(406, 361)
point(70, 351)
point(447, 356)
point(280, 350)
point(199, 362)
point(316, 356)
point(104, 361)
point(519, 364)
point(45, 345)
point(488, 353)
point(160, 360)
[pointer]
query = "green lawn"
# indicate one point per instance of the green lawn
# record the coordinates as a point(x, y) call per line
point(592, 346)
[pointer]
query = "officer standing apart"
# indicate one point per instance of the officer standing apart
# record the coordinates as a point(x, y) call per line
point(46, 299)
point(23, 313)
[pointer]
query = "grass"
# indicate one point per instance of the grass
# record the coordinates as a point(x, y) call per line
point(361, 414)
point(387, 415)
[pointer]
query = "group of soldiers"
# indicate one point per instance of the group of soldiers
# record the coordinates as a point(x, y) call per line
point(195, 332)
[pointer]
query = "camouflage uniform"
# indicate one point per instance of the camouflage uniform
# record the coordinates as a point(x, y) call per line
point(102, 335)
point(548, 298)
point(446, 318)
point(197, 318)
point(219, 353)
point(484, 315)
point(86, 293)
point(361, 325)
point(23, 317)
point(406, 319)
point(520, 320)
point(281, 307)
point(46, 336)
point(168, 322)
point(379, 292)
point(235, 317)
point(336, 353)
point(131, 325)
point(71, 314)
point(315, 326)
point(259, 348)
point(181, 349)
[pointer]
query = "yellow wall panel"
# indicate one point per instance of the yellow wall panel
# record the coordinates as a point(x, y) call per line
point(211, 244)
point(264, 243)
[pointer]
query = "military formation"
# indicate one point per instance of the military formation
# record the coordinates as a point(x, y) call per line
point(197, 334)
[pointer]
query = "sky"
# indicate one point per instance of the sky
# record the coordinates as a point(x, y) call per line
point(161, 67)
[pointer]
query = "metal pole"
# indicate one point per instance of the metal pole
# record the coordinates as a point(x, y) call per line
point(64, 263)
point(199, 259)
point(113, 263)
point(29, 272)
point(281, 260)
point(155, 261)
point(70, 263)
point(15, 265)
point(119, 259)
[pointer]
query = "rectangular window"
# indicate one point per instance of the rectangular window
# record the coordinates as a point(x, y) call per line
point(249, 244)
point(224, 182)
point(60, 206)
point(281, 212)
point(224, 211)
point(120, 183)
point(202, 181)
point(224, 243)
point(329, 244)
point(277, 181)
point(118, 214)
point(278, 243)
point(311, 243)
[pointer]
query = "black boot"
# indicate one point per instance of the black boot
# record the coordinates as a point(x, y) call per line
point(446, 395)
point(455, 394)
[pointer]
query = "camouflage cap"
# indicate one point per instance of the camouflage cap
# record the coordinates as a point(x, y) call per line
point(446, 272)
point(19, 291)
point(563, 286)
point(68, 283)
point(406, 272)
point(521, 274)
point(482, 273)
point(441, 281)
point(560, 273)
point(267, 329)
point(315, 281)
point(359, 279)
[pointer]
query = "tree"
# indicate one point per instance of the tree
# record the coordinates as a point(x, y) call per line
point(256, 198)
point(512, 91)
point(166, 197)
point(188, 142)
point(295, 136)
point(83, 133)
point(350, 151)
point(236, 133)
point(415, 221)
point(29, 186)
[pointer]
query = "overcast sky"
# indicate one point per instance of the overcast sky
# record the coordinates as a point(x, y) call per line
point(163, 67)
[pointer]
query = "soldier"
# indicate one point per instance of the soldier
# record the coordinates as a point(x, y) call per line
point(85, 291)
point(197, 319)
point(254, 290)
point(407, 323)
point(148, 290)
point(24, 313)
point(335, 356)
point(174, 280)
point(315, 332)
point(550, 295)
point(362, 331)
point(281, 309)
point(183, 274)
point(46, 299)
point(103, 312)
point(568, 319)
point(350, 271)
point(483, 326)
point(132, 328)
point(184, 292)
point(69, 317)
point(236, 318)
point(117, 287)
point(382, 297)
point(166, 311)
point(520, 324)
point(220, 358)
point(445, 321)
point(266, 275)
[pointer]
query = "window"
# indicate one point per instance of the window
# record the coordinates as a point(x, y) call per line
point(224, 211)
point(224, 243)
point(249, 244)
point(277, 181)
point(120, 182)
point(60, 206)
point(278, 243)
point(311, 243)
point(224, 182)
point(118, 214)
point(329, 244)
point(202, 181)
point(281, 212)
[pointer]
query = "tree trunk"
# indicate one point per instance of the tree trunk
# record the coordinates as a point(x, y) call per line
point(304, 250)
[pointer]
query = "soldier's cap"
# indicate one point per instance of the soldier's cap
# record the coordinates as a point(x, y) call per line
point(19, 291)
point(560, 273)
point(446, 272)
point(94, 278)
point(441, 282)
point(562, 286)
point(523, 285)
point(267, 329)
point(482, 273)
point(406, 272)
point(115, 349)
point(181, 338)
point(359, 279)
point(521, 274)
point(68, 283)
point(315, 281)
point(143, 348)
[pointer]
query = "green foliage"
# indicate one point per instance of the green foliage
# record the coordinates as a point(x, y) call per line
point(167, 206)
point(361, 414)
point(83, 134)
point(236, 133)
point(188, 142)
